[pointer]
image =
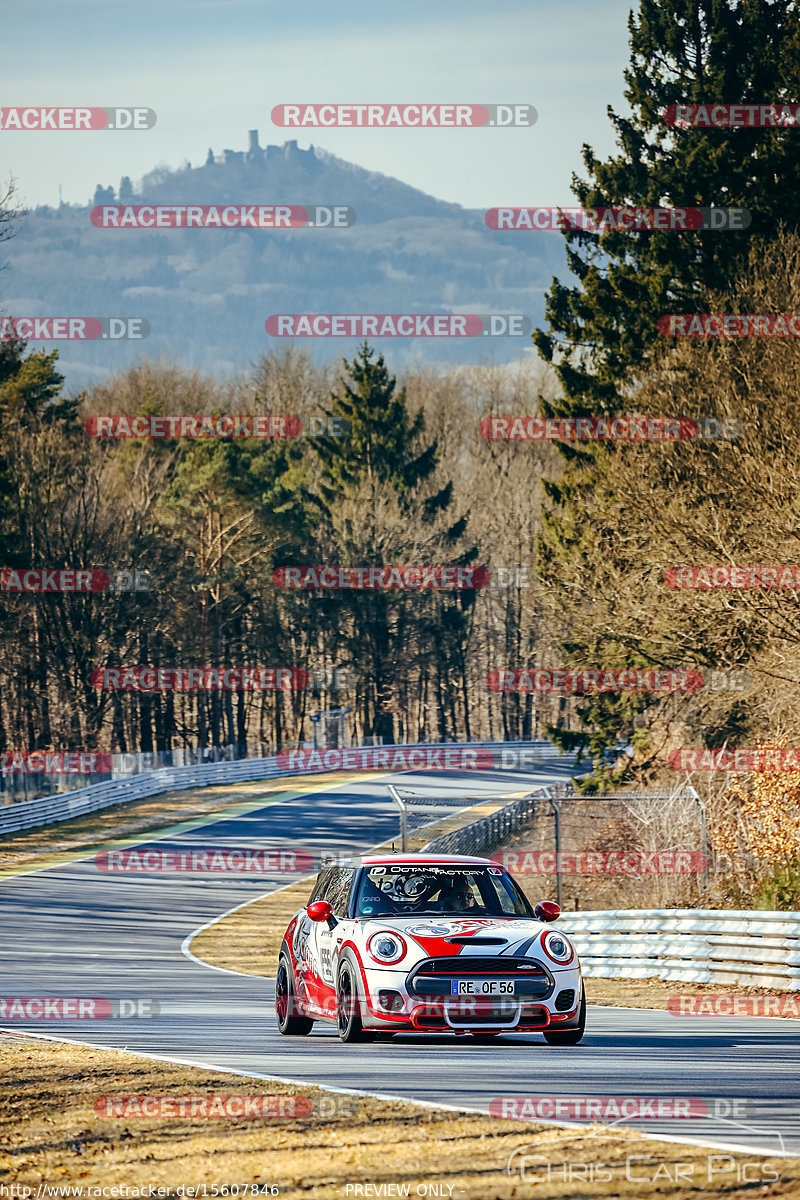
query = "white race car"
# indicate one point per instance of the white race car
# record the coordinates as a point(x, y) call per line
point(414, 942)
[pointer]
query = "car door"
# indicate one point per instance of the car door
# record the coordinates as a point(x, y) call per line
point(325, 942)
point(306, 974)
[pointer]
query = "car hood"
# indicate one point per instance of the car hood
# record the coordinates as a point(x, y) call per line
point(463, 936)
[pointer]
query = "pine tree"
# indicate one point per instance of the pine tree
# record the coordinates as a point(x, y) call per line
point(682, 52)
point(603, 332)
point(376, 495)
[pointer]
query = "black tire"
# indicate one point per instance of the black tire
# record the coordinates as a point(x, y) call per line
point(291, 1022)
point(569, 1037)
point(348, 1007)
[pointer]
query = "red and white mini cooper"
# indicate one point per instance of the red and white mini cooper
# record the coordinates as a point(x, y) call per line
point(403, 942)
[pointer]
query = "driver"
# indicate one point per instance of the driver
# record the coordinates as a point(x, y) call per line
point(455, 896)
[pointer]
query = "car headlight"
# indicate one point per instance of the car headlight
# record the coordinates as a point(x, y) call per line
point(556, 946)
point(386, 947)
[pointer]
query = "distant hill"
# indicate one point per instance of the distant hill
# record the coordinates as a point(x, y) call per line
point(207, 292)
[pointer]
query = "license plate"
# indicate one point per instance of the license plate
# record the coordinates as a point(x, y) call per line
point(482, 987)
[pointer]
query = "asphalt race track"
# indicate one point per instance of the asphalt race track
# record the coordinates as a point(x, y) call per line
point(74, 931)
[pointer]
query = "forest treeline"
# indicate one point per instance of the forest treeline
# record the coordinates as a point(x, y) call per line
point(402, 478)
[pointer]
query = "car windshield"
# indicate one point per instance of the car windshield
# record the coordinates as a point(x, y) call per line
point(406, 889)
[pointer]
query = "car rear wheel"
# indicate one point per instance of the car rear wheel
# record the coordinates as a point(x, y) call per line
point(291, 1021)
point(348, 1007)
point(569, 1037)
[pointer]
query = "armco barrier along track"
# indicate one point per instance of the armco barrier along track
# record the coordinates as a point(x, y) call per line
point(694, 945)
point(50, 809)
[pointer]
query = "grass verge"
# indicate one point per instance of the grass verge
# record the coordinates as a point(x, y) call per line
point(52, 1134)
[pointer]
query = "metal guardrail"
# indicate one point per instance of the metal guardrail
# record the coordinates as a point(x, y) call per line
point(46, 810)
point(692, 945)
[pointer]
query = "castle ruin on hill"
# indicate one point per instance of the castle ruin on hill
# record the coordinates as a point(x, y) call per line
point(255, 155)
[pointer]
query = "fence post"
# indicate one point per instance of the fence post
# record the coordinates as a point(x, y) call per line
point(401, 804)
point(556, 814)
point(704, 825)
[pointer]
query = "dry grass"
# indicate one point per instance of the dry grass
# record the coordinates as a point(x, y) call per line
point(50, 1133)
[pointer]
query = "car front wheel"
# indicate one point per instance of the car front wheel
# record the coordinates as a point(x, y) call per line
point(291, 1021)
point(348, 1007)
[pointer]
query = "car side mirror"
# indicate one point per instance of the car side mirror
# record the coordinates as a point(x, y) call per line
point(321, 910)
point(547, 910)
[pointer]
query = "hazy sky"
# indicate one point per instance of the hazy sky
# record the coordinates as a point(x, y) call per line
point(212, 69)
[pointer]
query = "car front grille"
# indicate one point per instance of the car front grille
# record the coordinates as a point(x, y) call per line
point(433, 976)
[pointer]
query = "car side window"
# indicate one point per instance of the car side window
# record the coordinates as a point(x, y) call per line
point(320, 886)
point(338, 893)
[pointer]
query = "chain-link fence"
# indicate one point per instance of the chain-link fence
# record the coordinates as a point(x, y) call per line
point(623, 850)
